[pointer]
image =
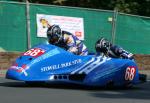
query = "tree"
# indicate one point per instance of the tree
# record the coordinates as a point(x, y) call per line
point(138, 7)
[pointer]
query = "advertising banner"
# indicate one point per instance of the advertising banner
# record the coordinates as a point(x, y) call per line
point(70, 24)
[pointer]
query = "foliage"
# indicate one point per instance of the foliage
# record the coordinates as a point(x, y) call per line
point(138, 7)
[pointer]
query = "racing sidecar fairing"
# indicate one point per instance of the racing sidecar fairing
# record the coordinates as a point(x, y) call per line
point(48, 63)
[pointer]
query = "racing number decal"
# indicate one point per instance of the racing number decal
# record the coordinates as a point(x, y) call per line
point(35, 52)
point(130, 73)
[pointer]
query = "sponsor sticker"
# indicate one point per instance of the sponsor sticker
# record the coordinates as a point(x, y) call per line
point(20, 69)
point(59, 66)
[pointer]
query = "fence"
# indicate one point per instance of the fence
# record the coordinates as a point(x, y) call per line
point(132, 32)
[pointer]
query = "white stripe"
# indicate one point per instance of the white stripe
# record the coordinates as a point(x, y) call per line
point(83, 66)
point(84, 47)
point(98, 58)
point(91, 65)
point(92, 68)
point(25, 73)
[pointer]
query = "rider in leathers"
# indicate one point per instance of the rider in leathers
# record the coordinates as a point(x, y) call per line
point(110, 50)
point(66, 40)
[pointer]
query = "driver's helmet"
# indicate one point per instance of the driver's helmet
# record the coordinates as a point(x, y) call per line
point(54, 33)
point(102, 45)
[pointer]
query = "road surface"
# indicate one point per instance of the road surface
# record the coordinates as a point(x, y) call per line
point(18, 92)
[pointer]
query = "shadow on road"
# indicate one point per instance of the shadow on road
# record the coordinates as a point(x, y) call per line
point(141, 91)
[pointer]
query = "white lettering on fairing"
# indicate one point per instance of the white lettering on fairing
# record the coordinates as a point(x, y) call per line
point(59, 66)
point(45, 56)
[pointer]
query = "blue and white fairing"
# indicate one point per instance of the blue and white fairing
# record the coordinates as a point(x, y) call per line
point(49, 63)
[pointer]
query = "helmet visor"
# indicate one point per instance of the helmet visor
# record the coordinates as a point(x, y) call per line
point(53, 38)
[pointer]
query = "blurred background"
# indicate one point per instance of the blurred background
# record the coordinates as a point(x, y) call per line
point(123, 22)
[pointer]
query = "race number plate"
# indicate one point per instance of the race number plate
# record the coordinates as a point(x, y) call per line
point(35, 52)
point(130, 73)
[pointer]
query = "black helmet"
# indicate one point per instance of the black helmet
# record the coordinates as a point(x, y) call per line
point(54, 33)
point(102, 45)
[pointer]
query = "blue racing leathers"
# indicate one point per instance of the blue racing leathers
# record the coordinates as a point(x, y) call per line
point(72, 44)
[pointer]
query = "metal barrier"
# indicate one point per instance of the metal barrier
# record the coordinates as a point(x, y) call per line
point(18, 27)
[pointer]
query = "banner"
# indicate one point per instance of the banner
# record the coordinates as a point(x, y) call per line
point(73, 25)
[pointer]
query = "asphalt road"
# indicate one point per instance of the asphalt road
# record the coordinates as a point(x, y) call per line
point(19, 92)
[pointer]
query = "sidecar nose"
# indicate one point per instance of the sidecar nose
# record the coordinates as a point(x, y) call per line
point(11, 74)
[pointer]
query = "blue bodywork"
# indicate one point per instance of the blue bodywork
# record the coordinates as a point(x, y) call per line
point(53, 64)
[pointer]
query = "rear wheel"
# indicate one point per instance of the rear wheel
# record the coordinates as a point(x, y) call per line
point(142, 77)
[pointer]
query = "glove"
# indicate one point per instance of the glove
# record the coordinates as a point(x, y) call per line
point(73, 50)
point(127, 56)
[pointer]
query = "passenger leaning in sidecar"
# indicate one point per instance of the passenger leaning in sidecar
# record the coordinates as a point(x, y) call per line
point(110, 50)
